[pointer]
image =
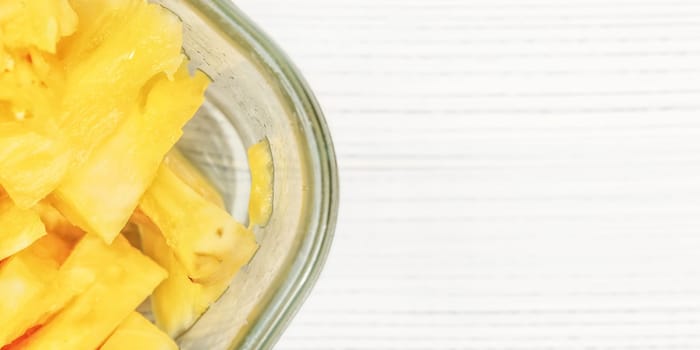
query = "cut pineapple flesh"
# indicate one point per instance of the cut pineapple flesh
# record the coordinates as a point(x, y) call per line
point(93, 96)
point(179, 301)
point(44, 287)
point(145, 42)
point(38, 23)
point(202, 236)
point(84, 100)
point(19, 228)
point(261, 172)
point(22, 279)
point(119, 288)
point(135, 333)
point(85, 196)
point(31, 164)
point(30, 87)
point(174, 302)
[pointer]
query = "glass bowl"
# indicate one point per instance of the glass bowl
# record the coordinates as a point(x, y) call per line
point(256, 94)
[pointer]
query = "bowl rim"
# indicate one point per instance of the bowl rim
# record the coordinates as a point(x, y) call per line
point(265, 330)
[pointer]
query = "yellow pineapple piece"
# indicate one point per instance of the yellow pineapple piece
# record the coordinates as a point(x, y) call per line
point(194, 178)
point(37, 23)
point(26, 281)
point(25, 275)
point(127, 162)
point(179, 301)
point(104, 81)
point(30, 87)
point(19, 228)
point(99, 19)
point(31, 164)
point(203, 237)
point(30, 80)
point(135, 333)
point(174, 302)
point(99, 90)
point(22, 279)
point(261, 191)
point(119, 288)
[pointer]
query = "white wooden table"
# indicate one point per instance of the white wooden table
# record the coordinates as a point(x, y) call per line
point(514, 174)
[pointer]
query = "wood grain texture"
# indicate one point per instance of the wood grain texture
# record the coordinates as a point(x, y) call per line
point(515, 175)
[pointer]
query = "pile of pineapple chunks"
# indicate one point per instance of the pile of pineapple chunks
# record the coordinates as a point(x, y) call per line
point(97, 212)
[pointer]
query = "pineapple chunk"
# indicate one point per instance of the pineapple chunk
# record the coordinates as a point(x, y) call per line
point(22, 279)
point(30, 79)
point(174, 302)
point(120, 287)
point(136, 332)
point(194, 178)
point(24, 275)
point(203, 237)
point(99, 90)
point(30, 87)
point(37, 23)
point(25, 279)
point(19, 228)
point(31, 164)
point(99, 19)
point(128, 161)
point(261, 171)
point(179, 301)
point(104, 84)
